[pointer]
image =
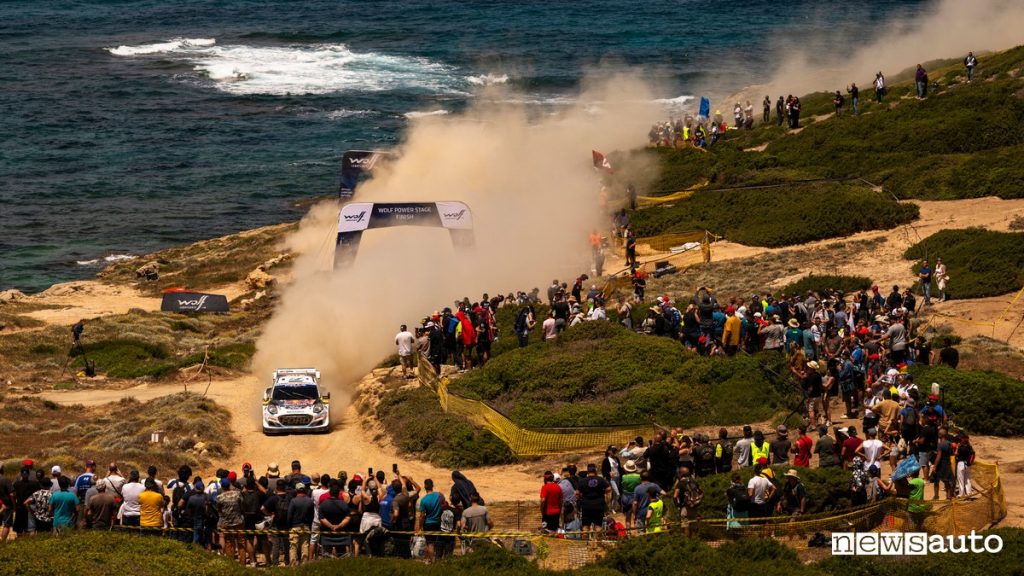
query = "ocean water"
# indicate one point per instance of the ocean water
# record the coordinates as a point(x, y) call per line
point(128, 126)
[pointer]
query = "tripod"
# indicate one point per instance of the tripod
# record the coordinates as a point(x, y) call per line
point(90, 368)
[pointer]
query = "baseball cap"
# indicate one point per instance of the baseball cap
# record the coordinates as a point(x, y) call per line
point(296, 464)
point(762, 461)
point(357, 478)
point(55, 470)
point(232, 476)
point(89, 463)
point(225, 483)
point(246, 466)
point(28, 463)
point(273, 471)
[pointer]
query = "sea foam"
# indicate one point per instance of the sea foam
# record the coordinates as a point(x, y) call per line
point(177, 44)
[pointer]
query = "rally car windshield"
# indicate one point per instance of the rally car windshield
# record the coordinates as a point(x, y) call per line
point(301, 392)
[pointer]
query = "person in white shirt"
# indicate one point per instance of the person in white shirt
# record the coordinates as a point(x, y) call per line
point(130, 512)
point(405, 342)
point(760, 490)
point(872, 450)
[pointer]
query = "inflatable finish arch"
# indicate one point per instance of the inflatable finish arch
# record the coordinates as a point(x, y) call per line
point(359, 216)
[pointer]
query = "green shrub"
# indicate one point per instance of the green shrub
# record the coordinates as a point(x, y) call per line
point(825, 282)
point(419, 426)
point(827, 488)
point(127, 358)
point(980, 402)
point(43, 349)
point(774, 217)
point(979, 262)
point(600, 374)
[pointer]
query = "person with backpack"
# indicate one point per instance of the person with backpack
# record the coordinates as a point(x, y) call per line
point(193, 513)
point(687, 494)
point(524, 323)
point(723, 452)
point(180, 490)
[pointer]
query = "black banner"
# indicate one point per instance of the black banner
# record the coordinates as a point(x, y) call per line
point(354, 163)
point(193, 302)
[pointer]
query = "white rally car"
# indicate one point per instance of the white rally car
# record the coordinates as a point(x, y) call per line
point(296, 403)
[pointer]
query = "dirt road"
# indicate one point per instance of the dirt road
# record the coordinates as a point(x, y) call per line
point(352, 445)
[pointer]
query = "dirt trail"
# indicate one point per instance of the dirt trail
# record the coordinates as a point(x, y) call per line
point(353, 445)
point(92, 298)
point(885, 265)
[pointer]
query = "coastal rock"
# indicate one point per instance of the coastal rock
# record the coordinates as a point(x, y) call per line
point(259, 280)
point(275, 261)
point(147, 269)
point(248, 302)
point(11, 295)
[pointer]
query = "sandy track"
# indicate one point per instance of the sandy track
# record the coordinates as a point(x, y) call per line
point(353, 445)
point(92, 298)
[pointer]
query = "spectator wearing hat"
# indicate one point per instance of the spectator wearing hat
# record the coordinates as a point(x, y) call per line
point(22, 490)
point(812, 385)
point(779, 447)
point(794, 495)
point(99, 510)
point(824, 447)
point(630, 480)
point(300, 518)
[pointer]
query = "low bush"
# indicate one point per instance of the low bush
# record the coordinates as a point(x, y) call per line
point(600, 374)
point(126, 358)
point(81, 552)
point(978, 262)
point(424, 430)
point(775, 217)
point(826, 282)
point(827, 488)
point(980, 402)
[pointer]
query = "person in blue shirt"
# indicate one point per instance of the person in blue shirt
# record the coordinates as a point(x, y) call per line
point(925, 275)
point(430, 509)
point(63, 506)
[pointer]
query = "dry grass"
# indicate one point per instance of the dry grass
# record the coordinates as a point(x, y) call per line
point(204, 264)
point(983, 353)
point(52, 433)
point(745, 276)
point(138, 344)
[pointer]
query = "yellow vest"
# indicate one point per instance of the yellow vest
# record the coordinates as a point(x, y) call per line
point(756, 452)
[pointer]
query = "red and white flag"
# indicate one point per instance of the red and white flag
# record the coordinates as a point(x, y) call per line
point(601, 162)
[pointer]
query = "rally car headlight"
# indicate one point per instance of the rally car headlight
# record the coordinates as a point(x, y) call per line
point(272, 408)
point(318, 408)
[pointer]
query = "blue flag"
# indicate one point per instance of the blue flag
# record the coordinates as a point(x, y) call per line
point(705, 107)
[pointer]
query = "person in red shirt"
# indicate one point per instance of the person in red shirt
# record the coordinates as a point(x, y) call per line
point(802, 448)
point(850, 446)
point(550, 502)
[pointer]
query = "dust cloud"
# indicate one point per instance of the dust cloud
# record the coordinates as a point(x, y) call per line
point(530, 183)
point(948, 30)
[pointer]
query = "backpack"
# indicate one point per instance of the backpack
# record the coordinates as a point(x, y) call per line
point(250, 502)
point(448, 520)
point(520, 325)
point(281, 510)
point(909, 427)
point(182, 491)
point(692, 494)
